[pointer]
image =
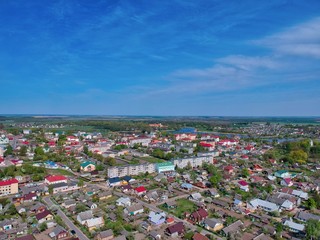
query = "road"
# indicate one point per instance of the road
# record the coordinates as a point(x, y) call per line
point(156, 209)
point(66, 220)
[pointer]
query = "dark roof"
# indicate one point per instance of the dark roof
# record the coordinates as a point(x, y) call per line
point(43, 214)
point(178, 227)
point(127, 178)
point(114, 180)
point(27, 237)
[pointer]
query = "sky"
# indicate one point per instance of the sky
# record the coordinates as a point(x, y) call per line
point(175, 57)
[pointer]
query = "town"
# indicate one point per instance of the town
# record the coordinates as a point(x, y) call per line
point(146, 179)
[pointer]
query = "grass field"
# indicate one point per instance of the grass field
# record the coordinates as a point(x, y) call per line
point(183, 205)
point(152, 159)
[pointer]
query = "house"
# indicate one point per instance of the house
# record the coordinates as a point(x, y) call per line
point(287, 182)
point(94, 223)
point(199, 236)
point(44, 216)
point(282, 202)
point(169, 205)
point(199, 215)
point(134, 209)
point(282, 174)
point(155, 235)
point(84, 216)
point(126, 188)
point(265, 205)
point(87, 166)
point(212, 224)
point(30, 197)
point(9, 186)
point(228, 169)
point(244, 186)
point(294, 227)
point(58, 233)
point(54, 179)
point(195, 197)
point(213, 192)
point(38, 208)
point(232, 228)
point(298, 193)
point(64, 187)
point(116, 181)
point(104, 195)
point(6, 224)
point(157, 218)
point(124, 202)
point(305, 216)
point(186, 186)
point(175, 230)
point(69, 203)
point(152, 196)
point(105, 235)
point(91, 205)
point(26, 237)
point(257, 168)
point(141, 190)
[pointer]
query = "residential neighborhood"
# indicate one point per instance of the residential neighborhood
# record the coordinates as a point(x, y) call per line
point(159, 184)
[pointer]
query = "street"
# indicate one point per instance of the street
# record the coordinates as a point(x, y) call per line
point(66, 220)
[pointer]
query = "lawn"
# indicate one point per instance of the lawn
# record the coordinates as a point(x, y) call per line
point(59, 172)
point(152, 159)
point(183, 205)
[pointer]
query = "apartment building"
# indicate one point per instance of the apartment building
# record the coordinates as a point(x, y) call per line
point(9, 186)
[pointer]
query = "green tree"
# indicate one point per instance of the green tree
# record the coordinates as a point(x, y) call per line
point(9, 151)
point(23, 151)
point(50, 189)
point(311, 204)
point(245, 172)
point(80, 183)
point(298, 156)
point(43, 227)
point(313, 229)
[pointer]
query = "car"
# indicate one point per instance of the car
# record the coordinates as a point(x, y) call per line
point(73, 232)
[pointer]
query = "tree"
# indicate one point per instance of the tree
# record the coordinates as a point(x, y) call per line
point(80, 208)
point(80, 183)
point(298, 156)
point(23, 151)
point(50, 189)
point(43, 227)
point(245, 172)
point(313, 229)
point(9, 151)
point(311, 204)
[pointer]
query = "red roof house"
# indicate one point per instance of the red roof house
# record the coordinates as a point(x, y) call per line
point(228, 169)
point(140, 190)
point(8, 182)
point(199, 215)
point(54, 179)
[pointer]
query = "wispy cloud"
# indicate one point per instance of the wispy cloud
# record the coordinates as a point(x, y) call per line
point(235, 72)
point(303, 40)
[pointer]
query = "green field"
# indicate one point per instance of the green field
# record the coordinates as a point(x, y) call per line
point(152, 159)
point(183, 206)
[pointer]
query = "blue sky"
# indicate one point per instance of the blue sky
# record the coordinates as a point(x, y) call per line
point(177, 57)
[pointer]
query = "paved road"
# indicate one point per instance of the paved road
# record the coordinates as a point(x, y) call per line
point(156, 209)
point(66, 220)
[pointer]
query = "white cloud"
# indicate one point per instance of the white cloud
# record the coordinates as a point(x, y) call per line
point(303, 40)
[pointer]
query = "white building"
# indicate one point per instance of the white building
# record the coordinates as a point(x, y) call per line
point(192, 161)
point(265, 205)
